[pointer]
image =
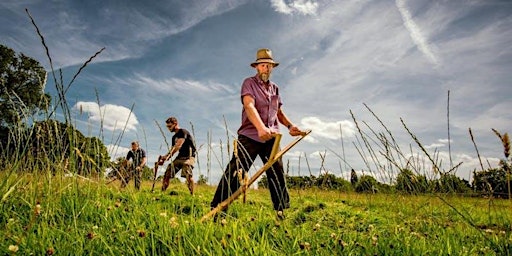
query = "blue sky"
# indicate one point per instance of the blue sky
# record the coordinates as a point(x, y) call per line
point(188, 59)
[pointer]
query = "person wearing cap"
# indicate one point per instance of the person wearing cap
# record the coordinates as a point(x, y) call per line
point(182, 142)
point(138, 158)
point(261, 114)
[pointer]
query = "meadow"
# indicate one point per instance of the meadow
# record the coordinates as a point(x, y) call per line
point(47, 208)
point(45, 214)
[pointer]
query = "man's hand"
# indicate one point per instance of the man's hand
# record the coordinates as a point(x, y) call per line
point(161, 159)
point(265, 134)
point(295, 131)
point(138, 168)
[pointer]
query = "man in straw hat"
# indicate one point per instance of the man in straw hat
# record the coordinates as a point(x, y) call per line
point(261, 115)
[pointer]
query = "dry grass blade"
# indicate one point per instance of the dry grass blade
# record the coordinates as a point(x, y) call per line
point(436, 168)
point(476, 148)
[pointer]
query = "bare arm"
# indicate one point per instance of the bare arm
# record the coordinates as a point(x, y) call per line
point(143, 162)
point(283, 119)
point(175, 148)
point(263, 132)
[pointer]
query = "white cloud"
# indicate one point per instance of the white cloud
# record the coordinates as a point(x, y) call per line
point(435, 145)
point(116, 151)
point(415, 32)
point(329, 130)
point(305, 7)
point(111, 117)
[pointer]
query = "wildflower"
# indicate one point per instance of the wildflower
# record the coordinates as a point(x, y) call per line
point(37, 209)
point(374, 240)
point(13, 248)
point(223, 222)
point(342, 243)
point(95, 227)
point(91, 235)
point(117, 204)
point(305, 246)
point(163, 214)
point(317, 226)
point(333, 235)
point(173, 222)
point(371, 227)
point(50, 251)
point(141, 233)
point(224, 243)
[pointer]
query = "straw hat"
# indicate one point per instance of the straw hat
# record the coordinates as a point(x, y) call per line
point(264, 56)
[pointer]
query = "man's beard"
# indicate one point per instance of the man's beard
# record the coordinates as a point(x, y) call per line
point(265, 77)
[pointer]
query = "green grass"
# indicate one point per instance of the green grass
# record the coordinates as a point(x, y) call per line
point(87, 217)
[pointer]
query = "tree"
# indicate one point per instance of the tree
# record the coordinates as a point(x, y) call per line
point(492, 181)
point(22, 82)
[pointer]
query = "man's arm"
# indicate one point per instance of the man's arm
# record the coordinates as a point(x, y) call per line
point(283, 119)
point(175, 148)
point(143, 162)
point(264, 132)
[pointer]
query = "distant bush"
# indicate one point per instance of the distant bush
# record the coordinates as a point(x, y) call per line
point(367, 184)
point(491, 182)
point(450, 183)
point(408, 182)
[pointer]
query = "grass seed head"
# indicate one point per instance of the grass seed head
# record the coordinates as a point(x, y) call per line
point(506, 145)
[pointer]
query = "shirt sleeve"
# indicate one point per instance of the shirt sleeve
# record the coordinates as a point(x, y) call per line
point(247, 89)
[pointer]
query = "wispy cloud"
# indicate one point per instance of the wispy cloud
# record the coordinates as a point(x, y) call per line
point(112, 117)
point(415, 32)
point(305, 7)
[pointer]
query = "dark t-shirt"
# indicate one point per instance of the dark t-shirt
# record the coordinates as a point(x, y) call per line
point(188, 149)
point(136, 155)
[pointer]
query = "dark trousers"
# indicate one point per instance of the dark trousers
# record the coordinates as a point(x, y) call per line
point(248, 149)
point(131, 173)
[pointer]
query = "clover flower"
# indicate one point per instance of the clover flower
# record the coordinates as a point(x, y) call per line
point(13, 248)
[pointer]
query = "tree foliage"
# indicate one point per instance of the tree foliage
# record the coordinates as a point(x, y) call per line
point(492, 181)
point(22, 83)
point(50, 143)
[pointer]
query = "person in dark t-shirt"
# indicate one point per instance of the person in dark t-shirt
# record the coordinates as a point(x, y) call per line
point(135, 161)
point(182, 142)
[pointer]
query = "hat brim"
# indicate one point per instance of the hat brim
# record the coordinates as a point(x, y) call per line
point(264, 61)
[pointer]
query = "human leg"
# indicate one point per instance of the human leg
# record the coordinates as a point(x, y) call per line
point(186, 165)
point(170, 172)
point(276, 180)
point(229, 181)
point(137, 177)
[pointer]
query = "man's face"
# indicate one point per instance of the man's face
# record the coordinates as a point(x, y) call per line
point(135, 146)
point(171, 126)
point(264, 70)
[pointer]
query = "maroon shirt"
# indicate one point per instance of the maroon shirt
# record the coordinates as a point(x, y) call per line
point(267, 102)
